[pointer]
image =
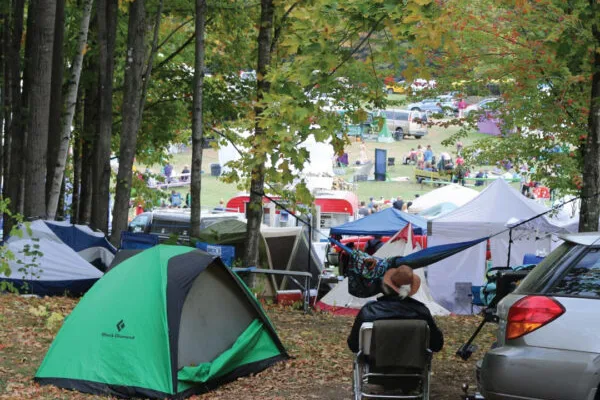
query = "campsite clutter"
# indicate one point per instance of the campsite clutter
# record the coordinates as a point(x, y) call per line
point(182, 282)
point(451, 237)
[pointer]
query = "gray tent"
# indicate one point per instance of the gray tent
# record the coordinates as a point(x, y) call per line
point(286, 249)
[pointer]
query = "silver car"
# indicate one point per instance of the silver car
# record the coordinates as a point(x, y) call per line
point(548, 341)
point(404, 123)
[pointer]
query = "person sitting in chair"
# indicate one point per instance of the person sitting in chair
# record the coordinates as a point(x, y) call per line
point(399, 284)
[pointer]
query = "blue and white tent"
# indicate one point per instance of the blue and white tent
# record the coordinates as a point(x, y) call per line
point(54, 258)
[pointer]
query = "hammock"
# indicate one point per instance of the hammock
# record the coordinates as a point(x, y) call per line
point(365, 272)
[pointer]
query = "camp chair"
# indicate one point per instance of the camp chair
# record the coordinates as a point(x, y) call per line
point(395, 354)
point(463, 296)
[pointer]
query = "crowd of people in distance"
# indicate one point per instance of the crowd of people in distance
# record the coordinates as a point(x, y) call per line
point(425, 159)
point(167, 172)
point(374, 206)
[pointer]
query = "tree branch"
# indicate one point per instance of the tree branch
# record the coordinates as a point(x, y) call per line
point(174, 32)
point(279, 28)
point(175, 53)
point(153, 51)
point(179, 49)
point(352, 53)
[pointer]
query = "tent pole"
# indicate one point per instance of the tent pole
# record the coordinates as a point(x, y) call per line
point(509, 245)
point(307, 294)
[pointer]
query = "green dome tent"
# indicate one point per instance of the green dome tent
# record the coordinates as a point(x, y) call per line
point(168, 322)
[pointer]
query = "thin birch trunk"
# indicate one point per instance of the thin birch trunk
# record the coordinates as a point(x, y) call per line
point(71, 101)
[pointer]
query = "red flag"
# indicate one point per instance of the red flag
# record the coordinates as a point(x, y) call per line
point(405, 234)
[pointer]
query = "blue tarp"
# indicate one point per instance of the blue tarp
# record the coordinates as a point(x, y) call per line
point(385, 223)
point(137, 240)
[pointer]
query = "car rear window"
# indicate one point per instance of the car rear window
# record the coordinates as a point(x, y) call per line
point(539, 277)
point(581, 279)
point(167, 227)
point(397, 115)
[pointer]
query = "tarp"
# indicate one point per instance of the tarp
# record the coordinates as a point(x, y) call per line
point(55, 258)
point(456, 194)
point(498, 206)
point(138, 240)
point(385, 223)
point(168, 322)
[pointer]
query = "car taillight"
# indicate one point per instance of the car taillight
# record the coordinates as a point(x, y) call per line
point(531, 313)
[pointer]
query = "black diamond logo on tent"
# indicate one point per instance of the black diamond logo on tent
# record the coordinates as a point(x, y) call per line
point(120, 325)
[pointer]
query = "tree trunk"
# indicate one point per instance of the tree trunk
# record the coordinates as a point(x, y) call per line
point(197, 121)
point(590, 200)
point(88, 134)
point(60, 212)
point(20, 168)
point(56, 97)
point(70, 102)
point(131, 116)
point(76, 176)
point(42, 38)
point(257, 182)
point(107, 31)
point(13, 148)
point(6, 103)
point(4, 115)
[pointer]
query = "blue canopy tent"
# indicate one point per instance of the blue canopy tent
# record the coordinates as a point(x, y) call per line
point(385, 223)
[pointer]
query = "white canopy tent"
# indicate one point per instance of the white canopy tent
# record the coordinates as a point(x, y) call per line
point(317, 171)
point(340, 301)
point(497, 207)
point(456, 194)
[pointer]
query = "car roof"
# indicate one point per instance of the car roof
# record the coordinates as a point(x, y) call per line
point(584, 238)
point(489, 99)
point(398, 109)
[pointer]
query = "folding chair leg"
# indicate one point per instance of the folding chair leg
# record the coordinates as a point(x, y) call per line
point(426, 386)
point(357, 382)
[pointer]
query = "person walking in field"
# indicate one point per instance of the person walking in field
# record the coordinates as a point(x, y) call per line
point(462, 104)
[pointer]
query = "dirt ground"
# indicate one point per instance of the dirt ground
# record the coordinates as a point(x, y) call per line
point(320, 366)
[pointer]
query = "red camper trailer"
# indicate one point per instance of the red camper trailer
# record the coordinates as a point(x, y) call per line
point(335, 207)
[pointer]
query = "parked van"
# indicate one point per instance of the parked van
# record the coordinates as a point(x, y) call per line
point(165, 223)
point(403, 123)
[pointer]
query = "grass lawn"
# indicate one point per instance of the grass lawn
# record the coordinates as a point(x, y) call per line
point(213, 189)
point(320, 367)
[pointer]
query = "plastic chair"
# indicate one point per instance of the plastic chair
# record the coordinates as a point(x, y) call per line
point(395, 354)
point(462, 295)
